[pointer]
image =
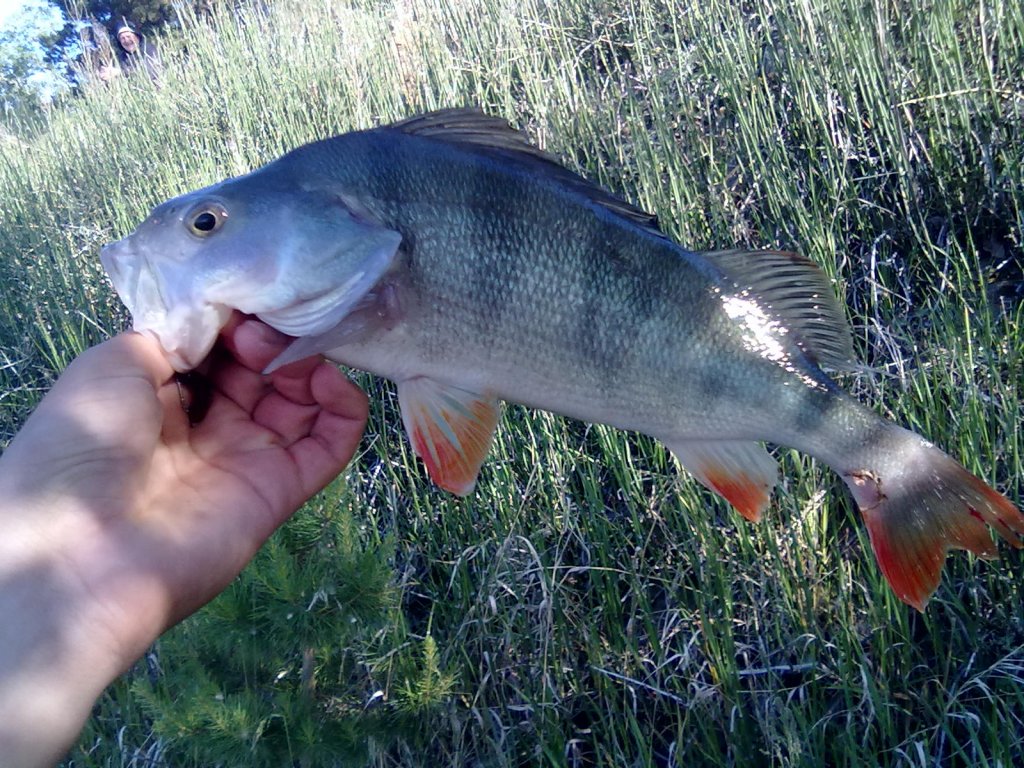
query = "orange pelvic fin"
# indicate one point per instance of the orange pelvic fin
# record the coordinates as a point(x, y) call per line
point(743, 473)
point(450, 429)
point(926, 507)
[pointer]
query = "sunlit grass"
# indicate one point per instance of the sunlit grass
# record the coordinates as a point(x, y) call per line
point(590, 604)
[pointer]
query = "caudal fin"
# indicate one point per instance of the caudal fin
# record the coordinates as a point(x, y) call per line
point(920, 507)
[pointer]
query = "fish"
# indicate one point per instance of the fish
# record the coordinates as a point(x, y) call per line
point(449, 254)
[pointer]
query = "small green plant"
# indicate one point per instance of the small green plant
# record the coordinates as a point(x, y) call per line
point(420, 693)
point(297, 662)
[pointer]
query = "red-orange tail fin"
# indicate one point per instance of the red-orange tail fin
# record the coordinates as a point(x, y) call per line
point(922, 507)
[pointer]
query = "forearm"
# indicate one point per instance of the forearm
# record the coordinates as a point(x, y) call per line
point(46, 692)
point(50, 673)
point(60, 644)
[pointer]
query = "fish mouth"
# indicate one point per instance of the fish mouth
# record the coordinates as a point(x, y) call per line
point(187, 334)
point(186, 330)
point(111, 260)
point(181, 361)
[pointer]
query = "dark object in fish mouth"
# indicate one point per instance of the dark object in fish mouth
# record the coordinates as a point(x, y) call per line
point(196, 393)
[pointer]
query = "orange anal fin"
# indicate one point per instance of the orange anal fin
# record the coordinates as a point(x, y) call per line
point(450, 429)
point(743, 473)
point(748, 497)
point(928, 506)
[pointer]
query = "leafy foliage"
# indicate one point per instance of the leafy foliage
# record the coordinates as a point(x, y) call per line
point(28, 75)
point(145, 15)
point(303, 660)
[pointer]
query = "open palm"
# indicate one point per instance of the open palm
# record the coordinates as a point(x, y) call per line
point(119, 518)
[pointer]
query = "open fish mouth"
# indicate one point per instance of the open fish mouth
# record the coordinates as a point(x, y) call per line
point(185, 332)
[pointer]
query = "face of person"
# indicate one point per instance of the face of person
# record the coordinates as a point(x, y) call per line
point(129, 41)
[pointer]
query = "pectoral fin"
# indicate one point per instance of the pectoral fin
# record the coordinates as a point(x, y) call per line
point(450, 429)
point(744, 473)
point(380, 308)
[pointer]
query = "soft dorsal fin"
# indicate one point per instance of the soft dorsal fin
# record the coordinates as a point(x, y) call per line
point(798, 294)
point(470, 127)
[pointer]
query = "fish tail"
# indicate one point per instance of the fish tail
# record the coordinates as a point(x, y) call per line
point(918, 503)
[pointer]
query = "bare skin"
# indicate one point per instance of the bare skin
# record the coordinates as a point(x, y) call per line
point(118, 519)
point(129, 41)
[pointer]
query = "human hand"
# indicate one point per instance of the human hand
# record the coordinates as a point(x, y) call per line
point(118, 519)
point(107, 72)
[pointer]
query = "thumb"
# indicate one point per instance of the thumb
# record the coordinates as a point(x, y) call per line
point(105, 400)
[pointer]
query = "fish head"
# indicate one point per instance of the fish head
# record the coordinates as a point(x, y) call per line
point(296, 256)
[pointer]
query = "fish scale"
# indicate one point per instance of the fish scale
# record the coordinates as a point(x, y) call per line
point(448, 254)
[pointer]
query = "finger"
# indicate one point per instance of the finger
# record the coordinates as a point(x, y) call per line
point(239, 384)
point(254, 344)
point(128, 354)
point(286, 419)
point(338, 414)
point(293, 380)
point(338, 395)
point(335, 434)
point(110, 389)
point(243, 383)
point(235, 319)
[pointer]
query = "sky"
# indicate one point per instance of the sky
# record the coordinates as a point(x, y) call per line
point(6, 6)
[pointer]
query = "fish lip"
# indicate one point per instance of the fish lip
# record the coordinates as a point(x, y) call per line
point(197, 327)
point(110, 263)
point(178, 359)
point(128, 270)
point(193, 327)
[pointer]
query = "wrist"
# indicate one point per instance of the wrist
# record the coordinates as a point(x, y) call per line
point(60, 645)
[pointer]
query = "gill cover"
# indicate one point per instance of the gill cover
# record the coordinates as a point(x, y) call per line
point(297, 258)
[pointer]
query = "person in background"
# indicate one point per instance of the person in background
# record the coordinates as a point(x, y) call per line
point(97, 61)
point(136, 53)
point(119, 517)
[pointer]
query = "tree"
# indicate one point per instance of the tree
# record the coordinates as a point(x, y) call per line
point(29, 74)
point(144, 15)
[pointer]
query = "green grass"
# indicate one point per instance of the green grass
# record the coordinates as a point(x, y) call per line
point(590, 604)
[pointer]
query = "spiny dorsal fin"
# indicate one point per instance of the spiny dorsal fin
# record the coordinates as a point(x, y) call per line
point(470, 127)
point(798, 294)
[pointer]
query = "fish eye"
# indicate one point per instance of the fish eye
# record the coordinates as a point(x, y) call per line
point(206, 219)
